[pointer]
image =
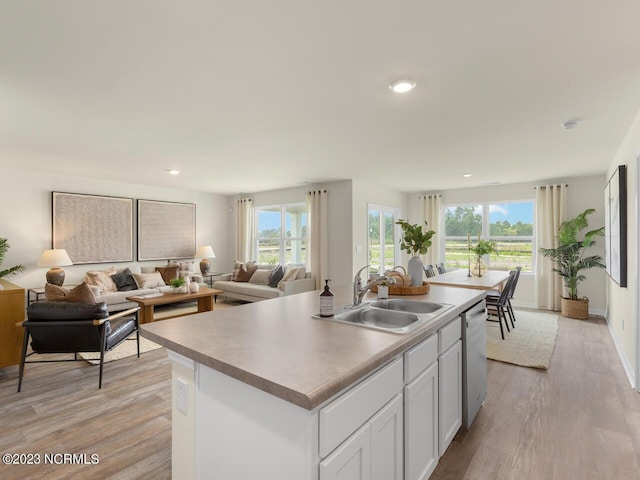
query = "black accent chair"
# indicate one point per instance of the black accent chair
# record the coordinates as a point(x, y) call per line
point(429, 271)
point(441, 269)
point(70, 327)
point(497, 307)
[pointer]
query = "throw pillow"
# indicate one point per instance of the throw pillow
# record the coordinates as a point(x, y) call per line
point(168, 273)
point(80, 294)
point(260, 277)
point(148, 280)
point(245, 275)
point(240, 266)
point(185, 268)
point(290, 274)
point(275, 276)
point(124, 281)
point(102, 280)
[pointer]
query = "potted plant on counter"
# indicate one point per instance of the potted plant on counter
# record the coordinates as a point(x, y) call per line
point(569, 260)
point(416, 242)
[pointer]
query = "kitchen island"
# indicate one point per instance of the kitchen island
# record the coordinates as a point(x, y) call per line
point(250, 383)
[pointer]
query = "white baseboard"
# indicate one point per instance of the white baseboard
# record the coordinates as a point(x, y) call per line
point(625, 363)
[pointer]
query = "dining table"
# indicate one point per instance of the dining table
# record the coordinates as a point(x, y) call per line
point(490, 280)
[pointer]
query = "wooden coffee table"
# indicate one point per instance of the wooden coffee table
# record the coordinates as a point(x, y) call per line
point(205, 297)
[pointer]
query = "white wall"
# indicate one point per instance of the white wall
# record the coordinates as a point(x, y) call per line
point(584, 192)
point(25, 218)
point(622, 314)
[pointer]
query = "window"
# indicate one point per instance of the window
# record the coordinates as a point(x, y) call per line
point(510, 224)
point(383, 247)
point(281, 234)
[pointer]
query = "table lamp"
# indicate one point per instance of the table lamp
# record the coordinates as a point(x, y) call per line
point(55, 258)
point(205, 252)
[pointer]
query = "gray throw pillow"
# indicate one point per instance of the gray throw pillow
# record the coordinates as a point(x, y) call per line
point(124, 280)
point(276, 275)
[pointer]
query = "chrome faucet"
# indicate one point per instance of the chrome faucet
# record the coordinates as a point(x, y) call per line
point(359, 290)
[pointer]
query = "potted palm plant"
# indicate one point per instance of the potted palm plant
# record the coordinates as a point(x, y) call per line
point(569, 260)
point(416, 242)
point(4, 246)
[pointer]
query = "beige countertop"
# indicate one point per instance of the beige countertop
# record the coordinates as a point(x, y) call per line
point(276, 346)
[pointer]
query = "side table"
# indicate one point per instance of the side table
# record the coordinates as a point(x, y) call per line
point(37, 293)
point(209, 278)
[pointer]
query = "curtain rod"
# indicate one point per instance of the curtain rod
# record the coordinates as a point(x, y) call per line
point(542, 187)
point(432, 195)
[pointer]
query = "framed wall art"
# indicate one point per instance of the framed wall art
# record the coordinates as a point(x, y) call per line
point(166, 230)
point(93, 228)
point(615, 216)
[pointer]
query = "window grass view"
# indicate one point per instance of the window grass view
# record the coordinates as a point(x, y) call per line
point(281, 234)
point(509, 224)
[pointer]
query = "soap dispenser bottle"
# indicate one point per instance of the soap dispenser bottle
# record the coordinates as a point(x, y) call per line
point(326, 301)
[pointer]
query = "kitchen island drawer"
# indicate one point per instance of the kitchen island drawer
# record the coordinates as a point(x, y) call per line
point(420, 357)
point(343, 416)
point(450, 334)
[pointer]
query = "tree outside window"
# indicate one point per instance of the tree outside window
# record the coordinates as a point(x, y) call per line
point(509, 224)
point(281, 234)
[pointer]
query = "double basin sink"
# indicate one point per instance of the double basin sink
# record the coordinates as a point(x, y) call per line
point(396, 315)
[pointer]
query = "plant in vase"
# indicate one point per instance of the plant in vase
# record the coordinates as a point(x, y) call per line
point(178, 285)
point(416, 242)
point(4, 246)
point(569, 259)
point(480, 249)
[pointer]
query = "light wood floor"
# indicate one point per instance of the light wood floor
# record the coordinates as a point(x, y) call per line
point(578, 420)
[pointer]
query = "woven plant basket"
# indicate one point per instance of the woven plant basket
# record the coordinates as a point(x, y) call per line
point(408, 290)
point(578, 309)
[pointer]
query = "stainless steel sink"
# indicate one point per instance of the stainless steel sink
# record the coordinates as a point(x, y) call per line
point(389, 321)
point(396, 315)
point(412, 306)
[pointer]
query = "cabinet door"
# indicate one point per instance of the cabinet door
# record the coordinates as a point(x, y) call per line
point(421, 425)
point(351, 460)
point(386, 442)
point(449, 395)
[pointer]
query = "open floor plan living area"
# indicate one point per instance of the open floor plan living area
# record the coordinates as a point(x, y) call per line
point(319, 241)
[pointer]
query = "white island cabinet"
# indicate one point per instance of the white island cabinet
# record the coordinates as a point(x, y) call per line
point(266, 391)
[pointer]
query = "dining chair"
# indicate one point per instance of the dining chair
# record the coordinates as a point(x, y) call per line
point(497, 307)
point(494, 294)
point(440, 267)
point(429, 271)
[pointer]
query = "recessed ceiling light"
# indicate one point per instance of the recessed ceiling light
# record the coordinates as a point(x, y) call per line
point(467, 175)
point(570, 124)
point(403, 85)
point(174, 172)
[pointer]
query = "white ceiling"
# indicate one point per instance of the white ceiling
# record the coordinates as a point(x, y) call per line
point(253, 95)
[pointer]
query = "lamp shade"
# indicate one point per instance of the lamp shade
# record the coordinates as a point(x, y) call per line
point(205, 251)
point(56, 257)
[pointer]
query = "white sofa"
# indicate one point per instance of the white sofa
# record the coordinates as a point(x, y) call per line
point(255, 289)
point(117, 301)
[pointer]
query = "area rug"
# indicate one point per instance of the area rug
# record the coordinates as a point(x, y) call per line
point(530, 344)
point(124, 350)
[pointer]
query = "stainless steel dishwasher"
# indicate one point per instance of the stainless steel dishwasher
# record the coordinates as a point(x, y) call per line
point(474, 361)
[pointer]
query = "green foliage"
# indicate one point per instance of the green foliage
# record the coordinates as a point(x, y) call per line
point(462, 220)
point(414, 240)
point(485, 247)
point(4, 246)
point(177, 282)
point(569, 256)
point(506, 229)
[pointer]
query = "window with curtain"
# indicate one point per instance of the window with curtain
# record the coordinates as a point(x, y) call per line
point(281, 234)
point(384, 250)
point(509, 224)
